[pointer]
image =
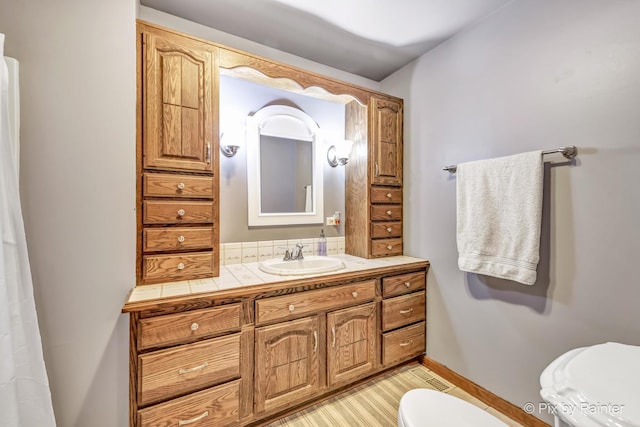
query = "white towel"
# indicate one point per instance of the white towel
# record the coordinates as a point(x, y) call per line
point(308, 203)
point(499, 206)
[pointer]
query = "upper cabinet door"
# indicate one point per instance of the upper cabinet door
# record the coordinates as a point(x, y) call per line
point(179, 94)
point(386, 141)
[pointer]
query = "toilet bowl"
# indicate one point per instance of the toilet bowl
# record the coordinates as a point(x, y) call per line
point(594, 386)
point(423, 407)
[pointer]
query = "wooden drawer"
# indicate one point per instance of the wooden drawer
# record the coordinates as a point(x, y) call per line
point(386, 195)
point(403, 344)
point(169, 373)
point(166, 267)
point(386, 212)
point(403, 310)
point(176, 238)
point(386, 229)
point(403, 284)
point(176, 212)
point(386, 247)
point(169, 185)
point(303, 303)
point(217, 406)
point(182, 327)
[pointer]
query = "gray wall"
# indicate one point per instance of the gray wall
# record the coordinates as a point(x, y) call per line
point(238, 99)
point(534, 75)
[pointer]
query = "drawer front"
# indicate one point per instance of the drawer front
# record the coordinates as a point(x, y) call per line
point(386, 247)
point(403, 310)
point(182, 327)
point(217, 406)
point(168, 185)
point(386, 195)
point(176, 238)
point(302, 303)
point(403, 344)
point(165, 267)
point(169, 373)
point(403, 284)
point(386, 212)
point(176, 212)
point(386, 229)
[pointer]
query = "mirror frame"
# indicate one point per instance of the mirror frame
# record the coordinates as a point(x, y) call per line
point(284, 122)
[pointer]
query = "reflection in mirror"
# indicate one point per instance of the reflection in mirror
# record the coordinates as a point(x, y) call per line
point(284, 173)
point(287, 187)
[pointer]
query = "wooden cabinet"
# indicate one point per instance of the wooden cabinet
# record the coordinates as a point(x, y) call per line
point(243, 356)
point(177, 204)
point(373, 224)
point(287, 366)
point(351, 343)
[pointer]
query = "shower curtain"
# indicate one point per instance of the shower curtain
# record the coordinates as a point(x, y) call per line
point(25, 399)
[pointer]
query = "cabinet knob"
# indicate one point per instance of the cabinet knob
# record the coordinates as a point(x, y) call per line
point(389, 247)
point(181, 212)
point(389, 229)
point(389, 213)
point(407, 284)
point(194, 326)
point(355, 294)
point(181, 266)
point(389, 195)
point(181, 239)
point(292, 307)
point(181, 186)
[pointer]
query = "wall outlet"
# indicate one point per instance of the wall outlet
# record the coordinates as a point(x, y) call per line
point(331, 220)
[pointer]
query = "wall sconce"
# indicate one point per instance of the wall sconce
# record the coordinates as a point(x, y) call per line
point(234, 140)
point(339, 155)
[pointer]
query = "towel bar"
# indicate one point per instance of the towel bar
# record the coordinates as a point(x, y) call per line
point(570, 151)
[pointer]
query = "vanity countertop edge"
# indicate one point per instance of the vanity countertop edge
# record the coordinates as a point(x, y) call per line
point(240, 281)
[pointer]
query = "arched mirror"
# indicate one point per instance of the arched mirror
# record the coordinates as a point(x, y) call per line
point(284, 173)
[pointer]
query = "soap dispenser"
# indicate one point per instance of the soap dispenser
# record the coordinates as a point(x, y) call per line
point(322, 244)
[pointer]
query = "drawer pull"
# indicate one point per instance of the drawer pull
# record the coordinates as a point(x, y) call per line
point(407, 284)
point(292, 307)
point(354, 294)
point(181, 212)
point(315, 341)
point(406, 311)
point(389, 247)
point(389, 195)
point(202, 416)
point(389, 229)
point(406, 343)
point(389, 213)
point(183, 371)
point(333, 333)
point(181, 266)
point(194, 326)
point(181, 186)
point(181, 239)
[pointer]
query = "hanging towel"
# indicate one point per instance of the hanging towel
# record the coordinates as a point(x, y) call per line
point(308, 203)
point(499, 212)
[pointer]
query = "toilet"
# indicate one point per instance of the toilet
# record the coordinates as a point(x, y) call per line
point(423, 407)
point(594, 386)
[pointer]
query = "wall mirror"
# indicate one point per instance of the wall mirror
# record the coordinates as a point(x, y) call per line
point(284, 173)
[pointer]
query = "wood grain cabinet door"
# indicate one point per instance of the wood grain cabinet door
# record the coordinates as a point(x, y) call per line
point(386, 137)
point(179, 91)
point(287, 367)
point(351, 343)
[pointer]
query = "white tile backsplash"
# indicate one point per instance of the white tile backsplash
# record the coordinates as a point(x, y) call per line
point(248, 252)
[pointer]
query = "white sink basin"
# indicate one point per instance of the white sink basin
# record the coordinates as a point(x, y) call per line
point(308, 265)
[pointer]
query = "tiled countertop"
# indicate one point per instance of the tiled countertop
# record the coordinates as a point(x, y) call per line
point(248, 274)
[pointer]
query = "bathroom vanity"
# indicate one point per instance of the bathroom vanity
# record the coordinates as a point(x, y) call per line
point(257, 344)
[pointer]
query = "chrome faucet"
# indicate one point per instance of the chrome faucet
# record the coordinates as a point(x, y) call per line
point(289, 255)
point(298, 255)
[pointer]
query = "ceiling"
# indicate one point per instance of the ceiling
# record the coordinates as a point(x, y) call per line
point(370, 38)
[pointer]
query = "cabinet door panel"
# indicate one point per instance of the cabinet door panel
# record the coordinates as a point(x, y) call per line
point(351, 343)
point(287, 363)
point(179, 101)
point(386, 129)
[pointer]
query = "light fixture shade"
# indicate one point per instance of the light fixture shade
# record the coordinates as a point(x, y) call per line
point(231, 140)
point(339, 154)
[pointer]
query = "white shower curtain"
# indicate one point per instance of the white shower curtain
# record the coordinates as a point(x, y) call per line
point(25, 399)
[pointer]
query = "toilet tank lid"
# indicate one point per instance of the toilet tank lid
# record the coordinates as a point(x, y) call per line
point(595, 386)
